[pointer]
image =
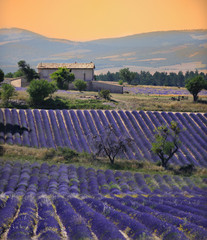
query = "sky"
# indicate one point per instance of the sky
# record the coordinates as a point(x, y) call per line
point(84, 20)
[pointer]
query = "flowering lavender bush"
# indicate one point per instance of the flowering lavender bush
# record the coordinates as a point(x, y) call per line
point(160, 91)
point(64, 201)
point(75, 129)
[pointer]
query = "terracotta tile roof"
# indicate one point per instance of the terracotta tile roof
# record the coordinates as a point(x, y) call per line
point(66, 65)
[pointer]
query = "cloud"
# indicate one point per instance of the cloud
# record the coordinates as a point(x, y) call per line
point(151, 59)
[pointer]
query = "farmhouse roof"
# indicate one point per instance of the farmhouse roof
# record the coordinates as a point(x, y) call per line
point(65, 65)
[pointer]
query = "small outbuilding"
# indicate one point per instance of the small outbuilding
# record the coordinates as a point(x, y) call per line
point(84, 71)
point(16, 82)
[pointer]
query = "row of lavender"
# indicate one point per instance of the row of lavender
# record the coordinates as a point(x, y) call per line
point(160, 91)
point(44, 179)
point(53, 128)
point(51, 202)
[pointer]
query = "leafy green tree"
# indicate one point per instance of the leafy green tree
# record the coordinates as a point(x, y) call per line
point(126, 75)
point(7, 91)
point(39, 90)
point(9, 75)
point(180, 81)
point(80, 85)
point(166, 142)
point(18, 73)
point(195, 85)
point(1, 76)
point(28, 73)
point(63, 77)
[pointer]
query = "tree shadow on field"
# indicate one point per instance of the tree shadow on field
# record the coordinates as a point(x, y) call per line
point(53, 103)
point(12, 128)
point(202, 101)
point(1, 150)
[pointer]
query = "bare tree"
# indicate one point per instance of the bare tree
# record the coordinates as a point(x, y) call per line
point(108, 144)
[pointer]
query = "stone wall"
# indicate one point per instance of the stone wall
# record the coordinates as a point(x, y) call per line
point(97, 86)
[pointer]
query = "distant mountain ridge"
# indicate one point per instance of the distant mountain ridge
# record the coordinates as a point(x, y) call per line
point(154, 51)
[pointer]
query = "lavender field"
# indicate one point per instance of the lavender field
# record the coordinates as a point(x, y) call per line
point(149, 90)
point(42, 201)
point(74, 128)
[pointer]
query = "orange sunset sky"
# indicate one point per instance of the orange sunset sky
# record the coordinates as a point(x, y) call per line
point(82, 20)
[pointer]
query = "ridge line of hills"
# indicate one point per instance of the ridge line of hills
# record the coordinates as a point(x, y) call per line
point(154, 51)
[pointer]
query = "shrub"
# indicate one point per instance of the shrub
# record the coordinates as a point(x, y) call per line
point(67, 153)
point(121, 82)
point(187, 170)
point(49, 154)
point(105, 93)
point(80, 85)
point(7, 92)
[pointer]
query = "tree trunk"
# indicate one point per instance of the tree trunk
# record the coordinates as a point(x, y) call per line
point(111, 160)
point(164, 163)
point(195, 97)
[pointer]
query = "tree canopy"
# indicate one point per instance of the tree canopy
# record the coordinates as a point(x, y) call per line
point(156, 79)
point(63, 77)
point(126, 75)
point(7, 91)
point(166, 142)
point(1, 76)
point(27, 72)
point(195, 85)
point(39, 90)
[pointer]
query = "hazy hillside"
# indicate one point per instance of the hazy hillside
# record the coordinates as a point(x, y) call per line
point(164, 51)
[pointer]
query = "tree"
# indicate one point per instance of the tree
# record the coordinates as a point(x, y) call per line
point(39, 90)
point(28, 73)
point(166, 142)
point(180, 78)
point(7, 92)
point(108, 144)
point(9, 75)
point(126, 75)
point(1, 76)
point(80, 85)
point(195, 85)
point(18, 73)
point(63, 77)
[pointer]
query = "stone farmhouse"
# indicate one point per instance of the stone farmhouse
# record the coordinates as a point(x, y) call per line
point(84, 71)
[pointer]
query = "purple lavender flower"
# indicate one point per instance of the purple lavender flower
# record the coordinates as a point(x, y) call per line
point(75, 225)
point(102, 227)
point(7, 213)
